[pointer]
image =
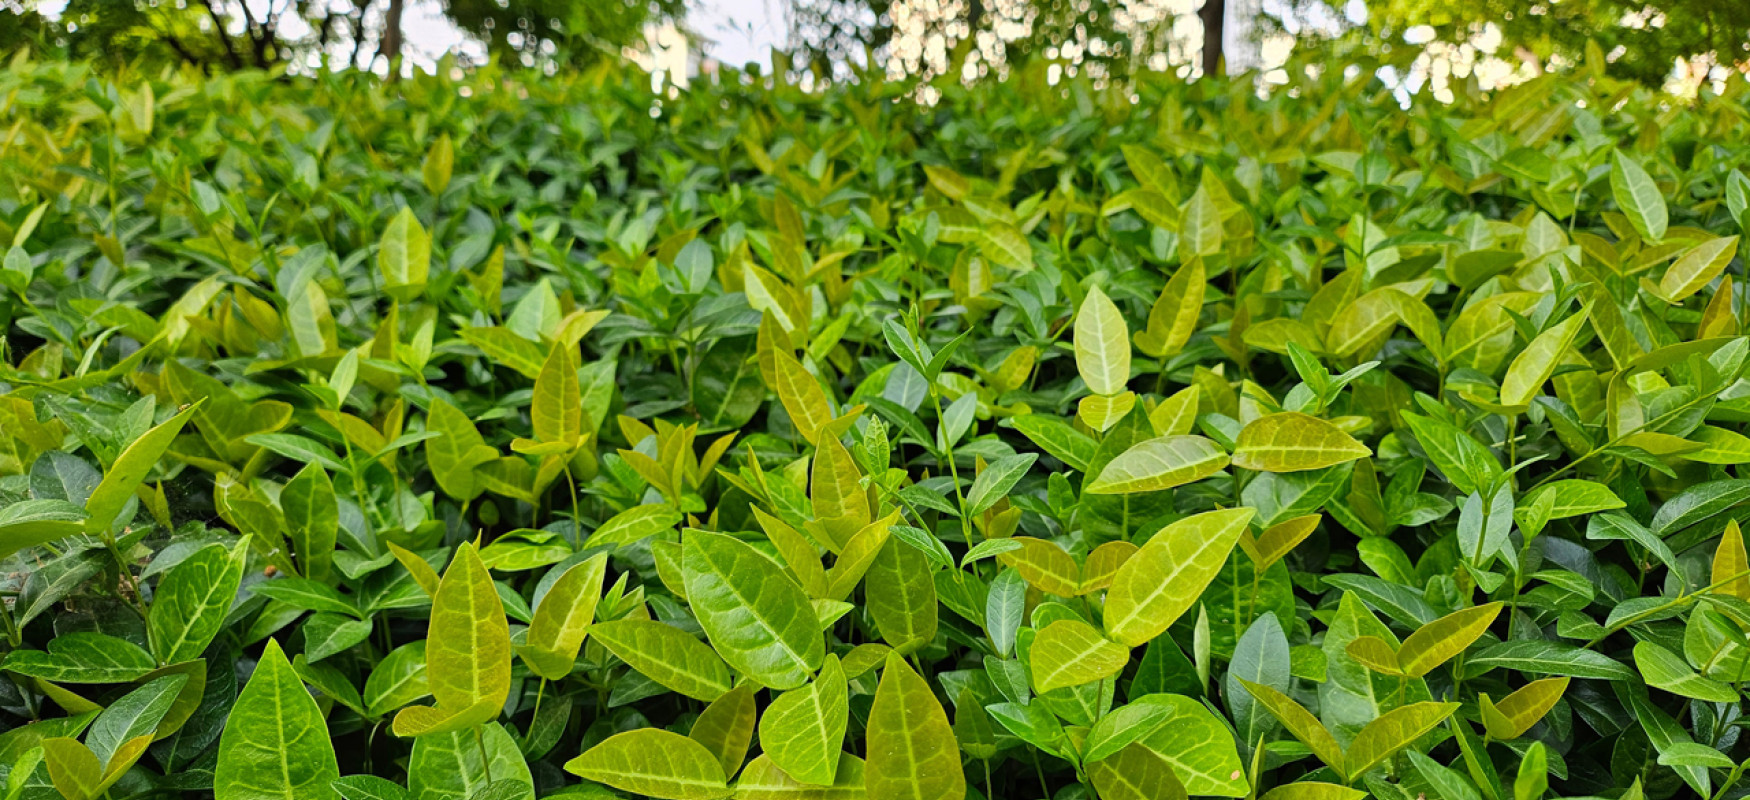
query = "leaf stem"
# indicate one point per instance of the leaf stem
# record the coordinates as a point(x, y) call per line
point(1679, 600)
point(485, 760)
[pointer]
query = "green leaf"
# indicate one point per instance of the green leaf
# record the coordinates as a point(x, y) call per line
point(757, 619)
point(404, 256)
point(458, 450)
point(667, 655)
point(563, 617)
point(900, 593)
point(1058, 438)
point(654, 763)
point(28, 523)
point(996, 480)
point(83, 657)
point(803, 730)
point(134, 715)
point(130, 468)
point(1260, 656)
point(1164, 578)
point(1666, 670)
point(1573, 498)
point(913, 754)
point(368, 787)
point(1393, 731)
point(1638, 197)
point(1539, 657)
point(191, 602)
point(275, 743)
point(312, 515)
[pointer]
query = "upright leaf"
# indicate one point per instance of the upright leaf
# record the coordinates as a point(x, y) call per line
point(275, 745)
point(912, 752)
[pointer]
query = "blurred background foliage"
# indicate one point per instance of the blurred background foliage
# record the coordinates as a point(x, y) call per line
point(1417, 45)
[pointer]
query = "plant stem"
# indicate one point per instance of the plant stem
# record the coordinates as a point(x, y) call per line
point(953, 470)
point(485, 760)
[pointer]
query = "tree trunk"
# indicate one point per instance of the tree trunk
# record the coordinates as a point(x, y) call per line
point(391, 47)
point(1214, 16)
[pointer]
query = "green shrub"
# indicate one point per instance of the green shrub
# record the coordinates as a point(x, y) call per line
point(466, 436)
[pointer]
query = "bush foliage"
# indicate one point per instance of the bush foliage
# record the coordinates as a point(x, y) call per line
point(487, 436)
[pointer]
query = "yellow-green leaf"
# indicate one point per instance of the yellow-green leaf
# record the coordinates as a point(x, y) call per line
point(726, 727)
point(1731, 564)
point(73, 768)
point(1361, 322)
point(801, 395)
point(763, 780)
point(1638, 197)
point(1294, 442)
point(1300, 723)
point(1136, 773)
point(1045, 565)
point(467, 656)
point(439, 161)
point(557, 405)
point(1167, 575)
point(130, 468)
point(757, 619)
point(1517, 712)
point(667, 655)
point(803, 730)
point(1071, 653)
point(654, 763)
point(1697, 268)
point(1278, 540)
point(1160, 463)
point(1393, 731)
point(1101, 412)
point(1313, 790)
point(1173, 318)
point(275, 744)
point(1102, 344)
point(1533, 366)
point(912, 752)
point(404, 256)
point(1375, 654)
point(562, 619)
point(423, 574)
point(1176, 415)
point(1437, 642)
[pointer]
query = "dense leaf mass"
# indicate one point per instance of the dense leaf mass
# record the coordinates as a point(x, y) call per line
point(494, 436)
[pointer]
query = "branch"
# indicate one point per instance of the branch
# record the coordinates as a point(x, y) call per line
point(224, 37)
